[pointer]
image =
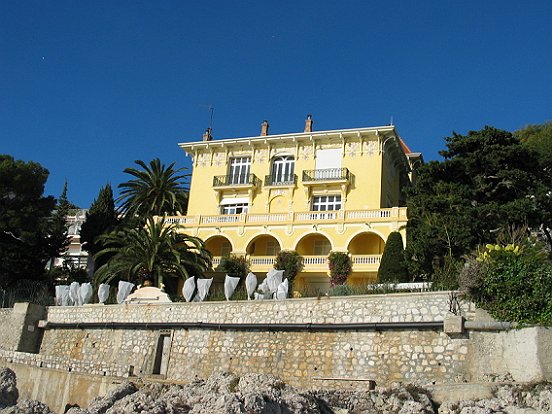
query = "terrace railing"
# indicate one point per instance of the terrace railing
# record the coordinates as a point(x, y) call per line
point(327, 174)
point(235, 180)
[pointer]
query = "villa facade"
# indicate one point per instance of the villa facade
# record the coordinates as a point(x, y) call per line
point(75, 252)
point(312, 191)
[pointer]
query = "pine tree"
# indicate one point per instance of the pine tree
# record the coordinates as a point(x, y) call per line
point(393, 266)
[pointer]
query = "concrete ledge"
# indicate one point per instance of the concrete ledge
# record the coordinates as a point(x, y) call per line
point(464, 391)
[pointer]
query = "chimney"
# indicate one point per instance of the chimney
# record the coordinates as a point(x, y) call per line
point(308, 123)
point(264, 128)
point(207, 135)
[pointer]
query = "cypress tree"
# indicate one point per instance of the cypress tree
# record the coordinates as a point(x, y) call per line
point(393, 265)
point(59, 240)
point(99, 219)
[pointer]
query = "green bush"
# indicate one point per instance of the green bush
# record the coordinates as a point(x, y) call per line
point(393, 265)
point(216, 294)
point(341, 266)
point(445, 276)
point(291, 262)
point(512, 282)
point(235, 266)
point(68, 272)
point(347, 290)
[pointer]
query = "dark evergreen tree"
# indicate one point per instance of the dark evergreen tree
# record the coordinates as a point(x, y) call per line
point(59, 240)
point(393, 267)
point(100, 219)
point(486, 183)
point(539, 139)
point(24, 220)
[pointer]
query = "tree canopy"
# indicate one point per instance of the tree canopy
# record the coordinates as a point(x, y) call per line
point(25, 242)
point(539, 139)
point(156, 190)
point(486, 182)
point(154, 250)
point(59, 236)
point(393, 267)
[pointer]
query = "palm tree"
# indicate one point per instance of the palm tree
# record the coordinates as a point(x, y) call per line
point(156, 249)
point(156, 190)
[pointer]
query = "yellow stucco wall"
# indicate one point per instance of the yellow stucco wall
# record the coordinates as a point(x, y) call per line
point(370, 197)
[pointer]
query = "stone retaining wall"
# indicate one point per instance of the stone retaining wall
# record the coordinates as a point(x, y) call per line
point(304, 357)
point(403, 307)
point(301, 358)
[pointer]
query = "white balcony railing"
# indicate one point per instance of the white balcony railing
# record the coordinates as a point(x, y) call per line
point(216, 261)
point(262, 260)
point(366, 259)
point(316, 216)
point(368, 262)
point(315, 260)
point(339, 216)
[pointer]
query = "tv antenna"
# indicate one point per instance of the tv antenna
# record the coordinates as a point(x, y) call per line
point(211, 110)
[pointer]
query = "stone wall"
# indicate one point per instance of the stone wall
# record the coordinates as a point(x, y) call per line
point(301, 357)
point(19, 327)
point(336, 355)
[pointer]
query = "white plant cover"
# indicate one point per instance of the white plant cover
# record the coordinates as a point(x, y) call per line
point(274, 278)
point(85, 293)
point(62, 295)
point(282, 291)
point(74, 294)
point(203, 286)
point(188, 288)
point(230, 284)
point(250, 284)
point(103, 292)
point(263, 287)
point(124, 290)
point(259, 296)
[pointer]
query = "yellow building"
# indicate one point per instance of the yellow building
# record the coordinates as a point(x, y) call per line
point(311, 191)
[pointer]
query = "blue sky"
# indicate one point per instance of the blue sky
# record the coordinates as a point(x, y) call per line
point(86, 88)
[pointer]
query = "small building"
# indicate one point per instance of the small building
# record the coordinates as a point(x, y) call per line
point(310, 191)
point(75, 253)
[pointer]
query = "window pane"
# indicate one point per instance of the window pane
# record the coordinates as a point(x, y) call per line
point(326, 203)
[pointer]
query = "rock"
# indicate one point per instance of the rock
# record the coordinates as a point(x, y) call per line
point(100, 405)
point(27, 407)
point(8, 388)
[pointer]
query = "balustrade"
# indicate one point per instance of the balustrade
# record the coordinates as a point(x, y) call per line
point(338, 216)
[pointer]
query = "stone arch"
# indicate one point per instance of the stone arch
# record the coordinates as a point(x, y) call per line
point(278, 204)
point(314, 244)
point(219, 245)
point(264, 245)
point(367, 242)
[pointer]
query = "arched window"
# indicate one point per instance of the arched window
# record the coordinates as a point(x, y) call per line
point(283, 168)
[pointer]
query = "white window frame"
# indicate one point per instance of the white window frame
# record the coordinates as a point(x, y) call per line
point(239, 170)
point(226, 248)
point(328, 202)
point(321, 247)
point(283, 168)
point(237, 208)
point(272, 248)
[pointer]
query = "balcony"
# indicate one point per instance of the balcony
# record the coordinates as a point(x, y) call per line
point(276, 219)
point(235, 181)
point(327, 175)
point(288, 180)
point(361, 263)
